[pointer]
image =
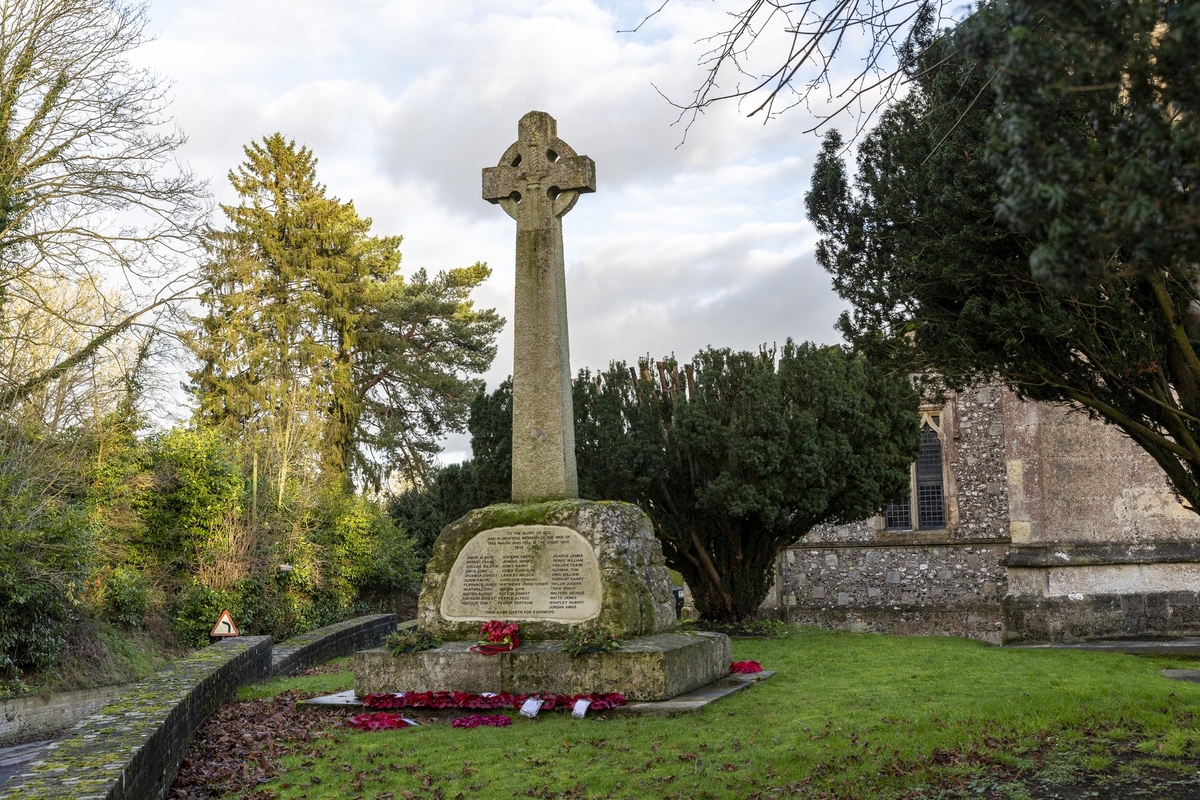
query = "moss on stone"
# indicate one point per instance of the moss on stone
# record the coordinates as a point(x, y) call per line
point(636, 598)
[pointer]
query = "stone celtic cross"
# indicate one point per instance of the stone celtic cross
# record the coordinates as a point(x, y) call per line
point(537, 181)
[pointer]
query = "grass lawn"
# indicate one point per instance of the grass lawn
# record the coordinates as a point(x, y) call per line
point(846, 715)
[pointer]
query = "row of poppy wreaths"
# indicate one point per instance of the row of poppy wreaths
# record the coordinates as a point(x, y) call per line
point(385, 721)
point(489, 700)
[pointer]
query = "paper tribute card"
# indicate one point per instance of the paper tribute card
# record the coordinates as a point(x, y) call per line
point(581, 708)
point(531, 707)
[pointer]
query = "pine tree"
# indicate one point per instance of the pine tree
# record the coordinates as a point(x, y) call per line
point(315, 348)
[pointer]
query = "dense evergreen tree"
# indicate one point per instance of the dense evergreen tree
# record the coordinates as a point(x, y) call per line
point(936, 280)
point(453, 490)
point(740, 454)
point(315, 346)
point(734, 458)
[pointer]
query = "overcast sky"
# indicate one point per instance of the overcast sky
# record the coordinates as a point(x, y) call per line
point(404, 102)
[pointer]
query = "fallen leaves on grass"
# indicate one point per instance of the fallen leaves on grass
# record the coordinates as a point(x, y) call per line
point(240, 745)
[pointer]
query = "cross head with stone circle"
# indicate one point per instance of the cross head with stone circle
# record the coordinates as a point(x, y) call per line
point(538, 180)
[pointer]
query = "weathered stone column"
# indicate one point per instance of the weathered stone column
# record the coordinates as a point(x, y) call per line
point(538, 180)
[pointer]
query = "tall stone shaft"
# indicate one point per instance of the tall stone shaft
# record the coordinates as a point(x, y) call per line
point(538, 180)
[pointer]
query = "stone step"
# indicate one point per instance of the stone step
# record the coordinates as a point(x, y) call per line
point(656, 667)
point(687, 703)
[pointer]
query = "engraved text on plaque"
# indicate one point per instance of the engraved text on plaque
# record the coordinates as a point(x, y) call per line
point(524, 572)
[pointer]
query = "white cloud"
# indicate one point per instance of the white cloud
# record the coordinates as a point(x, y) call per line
point(404, 103)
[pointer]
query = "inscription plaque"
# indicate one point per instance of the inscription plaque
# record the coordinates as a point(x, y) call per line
point(524, 572)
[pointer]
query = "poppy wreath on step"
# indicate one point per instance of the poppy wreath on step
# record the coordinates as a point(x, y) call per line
point(497, 636)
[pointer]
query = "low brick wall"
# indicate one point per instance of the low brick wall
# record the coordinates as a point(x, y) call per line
point(131, 749)
point(332, 641)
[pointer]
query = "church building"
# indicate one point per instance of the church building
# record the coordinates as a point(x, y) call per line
point(1025, 522)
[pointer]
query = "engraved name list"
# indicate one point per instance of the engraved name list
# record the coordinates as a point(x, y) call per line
point(524, 572)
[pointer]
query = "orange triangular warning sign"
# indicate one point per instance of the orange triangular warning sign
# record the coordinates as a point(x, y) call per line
point(224, 626)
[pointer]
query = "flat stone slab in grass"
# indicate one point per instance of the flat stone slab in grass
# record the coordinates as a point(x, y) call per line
point(1190, 675)
point(691, 702)
point(655, 667)
point(686, 703)
point(1186, 645)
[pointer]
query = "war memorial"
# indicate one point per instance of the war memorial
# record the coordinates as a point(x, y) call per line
point(548, 561)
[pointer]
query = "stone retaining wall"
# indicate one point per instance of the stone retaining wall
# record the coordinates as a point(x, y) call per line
point(25, 717)
point(332, 641)
point(131, 749)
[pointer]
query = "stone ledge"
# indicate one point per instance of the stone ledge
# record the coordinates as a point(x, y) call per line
point(23, 717)
point(655, 667)
point(887, 540)
point(1058, 619)
point(131, 749)
point(332, 641)
point(1089, 555)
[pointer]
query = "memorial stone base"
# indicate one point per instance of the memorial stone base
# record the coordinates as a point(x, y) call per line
point(549, 567)
point(656, 667)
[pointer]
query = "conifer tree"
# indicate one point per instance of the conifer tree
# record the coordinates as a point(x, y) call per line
point(315, 347)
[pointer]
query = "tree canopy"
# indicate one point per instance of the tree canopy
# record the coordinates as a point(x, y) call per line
point(315, 344)
point(734, 456)
point(740, 454)
point(91, 191)
point(936, 280)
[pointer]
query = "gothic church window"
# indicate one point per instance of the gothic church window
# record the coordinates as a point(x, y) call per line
point(925, 509)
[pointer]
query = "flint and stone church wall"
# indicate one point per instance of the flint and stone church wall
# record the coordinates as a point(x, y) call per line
point(1055, 527)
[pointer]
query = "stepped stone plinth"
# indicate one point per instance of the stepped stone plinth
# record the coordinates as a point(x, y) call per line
point(656, 667)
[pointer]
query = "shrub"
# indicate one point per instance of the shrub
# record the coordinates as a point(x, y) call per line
point(196, 610)
point(126, 597)
point(45, 549)
point(198, 486)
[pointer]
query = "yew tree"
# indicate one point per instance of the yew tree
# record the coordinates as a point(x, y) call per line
point(1045, 233)
point(734, 455)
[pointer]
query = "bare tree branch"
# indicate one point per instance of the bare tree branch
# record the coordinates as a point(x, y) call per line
point(800, 41)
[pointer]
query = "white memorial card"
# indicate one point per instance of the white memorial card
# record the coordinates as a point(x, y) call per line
point(531, 707)
point(581, 708)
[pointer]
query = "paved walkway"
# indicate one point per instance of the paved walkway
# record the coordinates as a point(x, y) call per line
point(14, 757)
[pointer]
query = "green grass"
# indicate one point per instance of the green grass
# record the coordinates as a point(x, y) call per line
point(846, 715)
point(325, 684)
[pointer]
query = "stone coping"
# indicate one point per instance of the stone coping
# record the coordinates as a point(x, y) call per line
point(888, 540)
point(332, 641)
point(23, 717)
point(654, 667)
point(132, 747)
point(1089, 555)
